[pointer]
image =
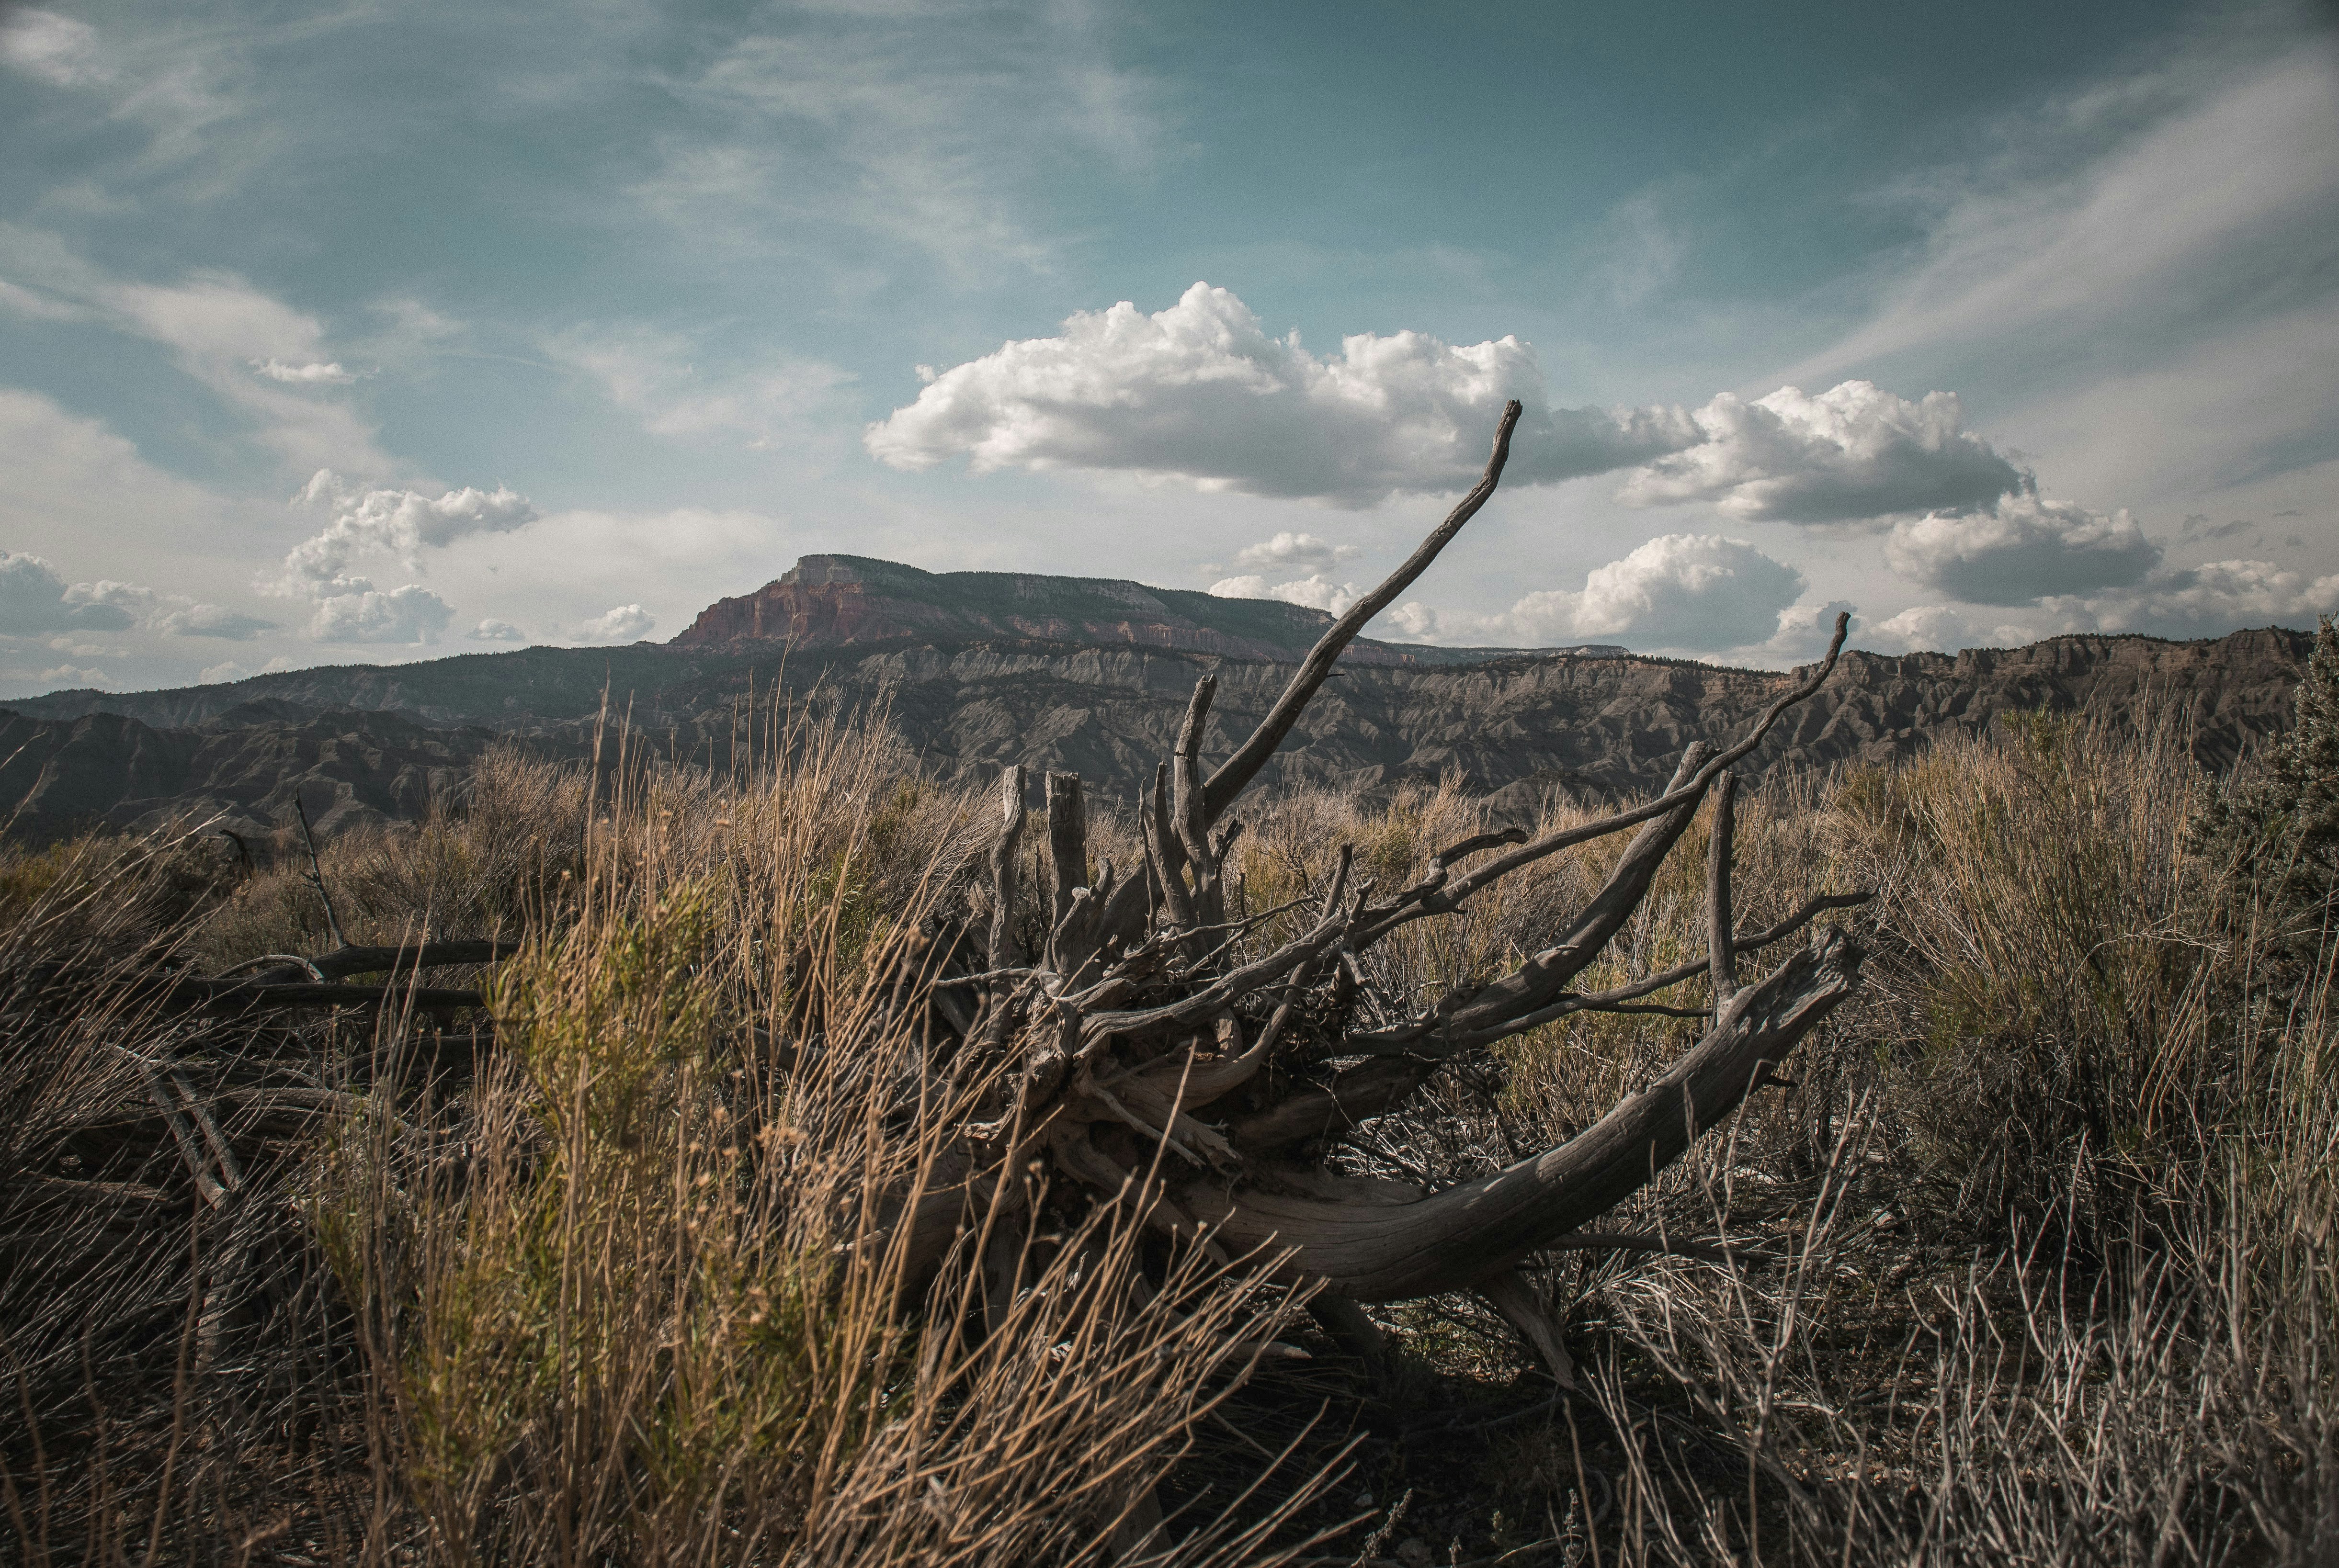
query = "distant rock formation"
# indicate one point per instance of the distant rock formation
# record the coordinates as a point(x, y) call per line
point(840, 601)
point(239, 771)
point(372, 745)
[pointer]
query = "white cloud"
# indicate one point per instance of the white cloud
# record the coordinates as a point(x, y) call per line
point(1853, 451)
point(1920, 628)
point(1805, 630)
point(210, 621)
point(132, 599)
point(412, 614)
point(2020, 551)
point(308, 375)
point(492, 630)
point(2204, 601)
point(1200, 392)
point(61, 50)
point(625, 624)
point(1299, 552)
point(221, 674)
point(399, 522)
point(35, 598)
point(1414, 619)
point(1699, 592)
point(1316, 592)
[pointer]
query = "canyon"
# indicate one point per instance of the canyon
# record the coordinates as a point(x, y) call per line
point(976, 670)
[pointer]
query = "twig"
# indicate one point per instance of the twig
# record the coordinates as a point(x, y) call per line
point(316, 873)
point(1718, 928)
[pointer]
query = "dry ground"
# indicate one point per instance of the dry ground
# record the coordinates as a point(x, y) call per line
point(2032, 1262)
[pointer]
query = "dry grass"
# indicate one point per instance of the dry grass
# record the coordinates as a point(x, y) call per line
point(2033, 1263)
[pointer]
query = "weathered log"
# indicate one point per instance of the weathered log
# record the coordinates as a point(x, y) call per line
point(1467, 1232)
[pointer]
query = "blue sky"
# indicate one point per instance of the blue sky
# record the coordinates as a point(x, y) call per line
point(385, 330)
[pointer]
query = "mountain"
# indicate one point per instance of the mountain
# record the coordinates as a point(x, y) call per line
point(957, 664)
point(839, 601)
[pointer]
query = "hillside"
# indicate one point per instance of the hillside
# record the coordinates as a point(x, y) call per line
point(372, 743)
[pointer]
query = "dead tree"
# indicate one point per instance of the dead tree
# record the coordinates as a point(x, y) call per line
point(1142, 1059)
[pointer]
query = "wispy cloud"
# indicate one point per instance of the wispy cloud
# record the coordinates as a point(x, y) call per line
point(2140, 194)
point(249, 349)
point(656, 374)
point(929, 129)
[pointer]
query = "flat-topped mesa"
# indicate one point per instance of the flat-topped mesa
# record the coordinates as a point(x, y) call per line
point(831, 601)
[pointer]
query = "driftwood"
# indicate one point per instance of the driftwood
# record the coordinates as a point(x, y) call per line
point(1147, 1055)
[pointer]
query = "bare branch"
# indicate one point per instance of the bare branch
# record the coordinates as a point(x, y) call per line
point(1239, 769)
point(1306, 970)
point(315, 876)
point(1515, 1300)
point(1682, 790)
point(1013, 781)
point(1718, 928)
point(1227, 988)
point(1068, 843)
point(1186, 817)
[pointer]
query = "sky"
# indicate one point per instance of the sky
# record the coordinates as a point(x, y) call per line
point(377, 332)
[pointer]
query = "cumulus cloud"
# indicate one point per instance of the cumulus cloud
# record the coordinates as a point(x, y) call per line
point(492, 630)
point(74, 675)
point(1702, 592)
point(1316, 592)
point(110, 603)
point(309, 375)
point(625, 624)
point(2021, 550)
point(210, 621)
point(1805, 630)
point(1853, 451)
point(220, 675)
point(1414, 619)
point(1294, 551)
point(35, 598)
point(412, 614)
point(371, 518)
point(1920, 628)
point(1200, 392)
point(2203, 602)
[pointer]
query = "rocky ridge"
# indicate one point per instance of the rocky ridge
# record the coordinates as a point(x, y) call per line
point(370, 744)
point(839, 601)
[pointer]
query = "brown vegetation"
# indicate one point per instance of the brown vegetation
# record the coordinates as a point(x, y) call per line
point(750, 1217)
